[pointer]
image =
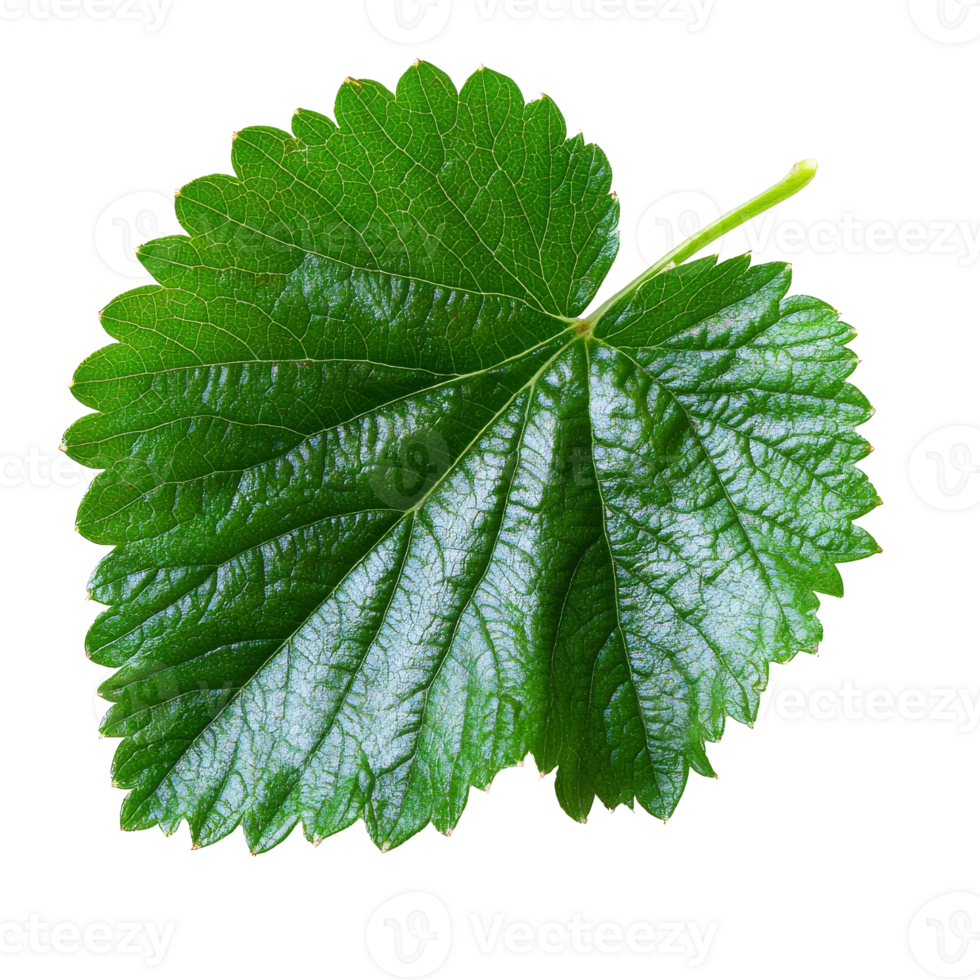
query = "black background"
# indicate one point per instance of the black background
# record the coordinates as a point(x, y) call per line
point(823, 838)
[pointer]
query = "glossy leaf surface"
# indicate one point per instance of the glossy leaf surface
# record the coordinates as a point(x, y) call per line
point(388, 516)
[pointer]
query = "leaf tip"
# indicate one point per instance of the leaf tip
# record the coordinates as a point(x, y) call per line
point(352, 81)
point(805, 169)
point(62, 448)
point(583, 820)
point(880, 502)
point(416, 63)
point(448, 833)
point(879, 550)
point(385, 847)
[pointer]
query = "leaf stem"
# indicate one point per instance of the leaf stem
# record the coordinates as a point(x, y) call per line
point(801, 175)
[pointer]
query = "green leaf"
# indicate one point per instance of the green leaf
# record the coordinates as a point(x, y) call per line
point(388, 516)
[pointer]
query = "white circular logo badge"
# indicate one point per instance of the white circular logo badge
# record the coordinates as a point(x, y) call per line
point(130, 221)
point(408, 21)
point(410, 935)
point(667, 222)
point(944, 468)
point(947, 21)
point(944, 935)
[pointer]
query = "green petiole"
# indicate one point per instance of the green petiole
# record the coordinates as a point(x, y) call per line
point(801, 175)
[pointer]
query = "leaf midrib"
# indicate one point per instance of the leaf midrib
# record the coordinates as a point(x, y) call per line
point(618, 629)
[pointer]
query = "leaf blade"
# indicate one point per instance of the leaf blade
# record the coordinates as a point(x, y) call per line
point(388, 517)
